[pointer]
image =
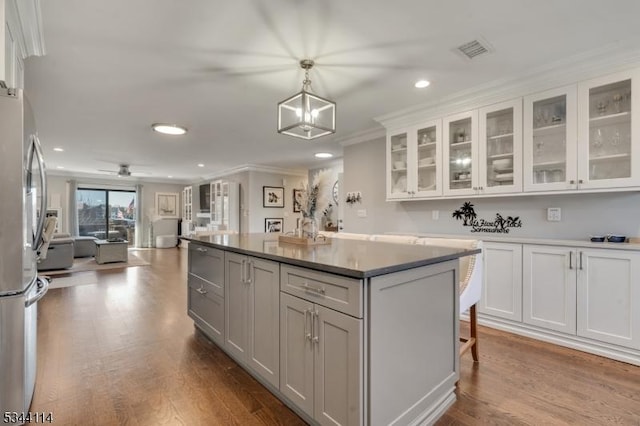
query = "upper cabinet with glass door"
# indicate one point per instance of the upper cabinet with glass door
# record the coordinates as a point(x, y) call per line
point(607, 119)
point(414, 157)
point(460, 137)
point(397, 179)
point(500, 165)
point(550, 140)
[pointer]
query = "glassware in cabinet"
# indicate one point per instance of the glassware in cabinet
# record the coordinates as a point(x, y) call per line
point(608, 129)
point(550, 156)
point(427, 159)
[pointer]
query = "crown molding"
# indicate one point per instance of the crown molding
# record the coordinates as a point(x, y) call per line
point(25, 18)
point(607, 60)
point(255, 168)
point(362, 136)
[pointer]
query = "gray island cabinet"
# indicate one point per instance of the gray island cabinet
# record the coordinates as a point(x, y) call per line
point(349, 333)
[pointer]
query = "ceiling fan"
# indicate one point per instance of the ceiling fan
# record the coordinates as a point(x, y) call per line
point(123, 171)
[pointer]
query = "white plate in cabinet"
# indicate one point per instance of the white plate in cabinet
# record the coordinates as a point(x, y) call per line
point(608, 129)
point(550, 140)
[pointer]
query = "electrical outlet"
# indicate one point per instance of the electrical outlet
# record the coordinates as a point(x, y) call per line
point(435, 215)
point(554, 214)
point(362, 213)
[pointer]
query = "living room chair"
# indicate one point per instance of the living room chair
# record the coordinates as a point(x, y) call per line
point(471, 277)
point(47, 235)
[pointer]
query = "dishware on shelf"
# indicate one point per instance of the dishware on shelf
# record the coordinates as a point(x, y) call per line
point(602, 107)
point(502, 164)
point(597, 239)
point(616, 238)
point(617, 102)
point(398, 165)
point(426, 161)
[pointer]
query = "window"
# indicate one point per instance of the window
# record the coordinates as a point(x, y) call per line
point(107, 213)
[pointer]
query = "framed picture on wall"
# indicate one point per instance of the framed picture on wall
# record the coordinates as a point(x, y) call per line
point(273, 224)
point(297, 198)
point(167, 204)
point(272, 196)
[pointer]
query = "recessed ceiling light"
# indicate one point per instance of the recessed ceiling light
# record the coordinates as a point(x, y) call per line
point(323, 155)
point(60, 167)
point(200, 165)
point(169, 129)
point(169, 176)
point(58, 149)
point(421, 84)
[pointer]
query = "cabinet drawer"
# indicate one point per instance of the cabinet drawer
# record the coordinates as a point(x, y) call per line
point(206, 266)
point(207, 310)
point(333, 291)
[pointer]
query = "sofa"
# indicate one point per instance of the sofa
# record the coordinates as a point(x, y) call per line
point(63, 248)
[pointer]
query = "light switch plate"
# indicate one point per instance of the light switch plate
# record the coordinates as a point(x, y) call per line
point(554, 214)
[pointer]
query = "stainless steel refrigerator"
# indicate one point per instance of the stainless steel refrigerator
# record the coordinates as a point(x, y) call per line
point(22, 212)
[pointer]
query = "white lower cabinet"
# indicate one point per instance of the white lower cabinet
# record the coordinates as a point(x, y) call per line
point(321, 361)
point(608, 291)
point(502, 290)
point(549, 287)
point(591, 293)
point(252, 313)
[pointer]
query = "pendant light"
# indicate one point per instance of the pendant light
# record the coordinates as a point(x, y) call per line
point(305, 115)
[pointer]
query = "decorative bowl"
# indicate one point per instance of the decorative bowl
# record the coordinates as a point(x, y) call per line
point(597, 239)
point(503, 163)
point(616, 238)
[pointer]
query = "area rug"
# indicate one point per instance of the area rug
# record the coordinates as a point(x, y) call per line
point(83, 264)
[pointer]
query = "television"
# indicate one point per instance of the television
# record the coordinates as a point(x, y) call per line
point(205, 198)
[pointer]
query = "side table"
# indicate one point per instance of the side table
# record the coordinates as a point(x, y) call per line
point(111, 251)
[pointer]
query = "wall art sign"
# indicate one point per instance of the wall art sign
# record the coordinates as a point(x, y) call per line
point(499, 225)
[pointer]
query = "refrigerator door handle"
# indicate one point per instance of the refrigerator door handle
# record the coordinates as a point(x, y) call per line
point(43, 287)
point(35, 149)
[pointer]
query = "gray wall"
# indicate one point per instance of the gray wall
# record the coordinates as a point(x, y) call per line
point(582, 214)
point(57, 188)
point(334, 168)
point(257, 213)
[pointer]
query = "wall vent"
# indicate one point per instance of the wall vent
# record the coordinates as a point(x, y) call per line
point(474, 48)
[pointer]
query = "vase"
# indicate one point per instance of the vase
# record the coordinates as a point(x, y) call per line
point(309, 227)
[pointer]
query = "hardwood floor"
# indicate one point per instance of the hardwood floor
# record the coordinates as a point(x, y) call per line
point(124, 352)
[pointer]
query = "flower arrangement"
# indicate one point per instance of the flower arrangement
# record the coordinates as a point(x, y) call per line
point(314, 194)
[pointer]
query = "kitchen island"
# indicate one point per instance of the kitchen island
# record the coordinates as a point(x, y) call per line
point(351, 333)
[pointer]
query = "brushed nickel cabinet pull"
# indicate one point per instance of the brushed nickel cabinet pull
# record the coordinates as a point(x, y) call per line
point(570, 260)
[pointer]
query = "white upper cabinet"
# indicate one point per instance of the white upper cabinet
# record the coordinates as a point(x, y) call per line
point(460, 153)
point(414, 158)
point(608, 122)
point(500, 145)
point(550, 140)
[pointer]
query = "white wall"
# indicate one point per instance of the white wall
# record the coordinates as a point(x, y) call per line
point(57, 189)
point(582, 214)
point(257, 213)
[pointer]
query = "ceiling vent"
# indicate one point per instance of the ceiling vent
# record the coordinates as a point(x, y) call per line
point(474, 48)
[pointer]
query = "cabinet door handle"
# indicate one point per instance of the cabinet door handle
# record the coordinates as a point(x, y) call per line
point(201, 290)
point(314, 329)
point(572, 182)
point(580, 181)
point(307, 333)
point(580, 260)
point(249, 271)
point(570, 260)
point(243, 271)
point(202, 250)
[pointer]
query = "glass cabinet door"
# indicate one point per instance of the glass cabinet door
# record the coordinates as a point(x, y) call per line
point(550, 140)
point(427, 160)
point(397, 184)
point(460, 140)
point(501, 147)
point(606, 154)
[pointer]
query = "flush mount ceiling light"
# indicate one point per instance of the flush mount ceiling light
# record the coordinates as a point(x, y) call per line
point(421, 84)
point(323, 155)
point(305, 115)
point(169, 129)
point(58, 149)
